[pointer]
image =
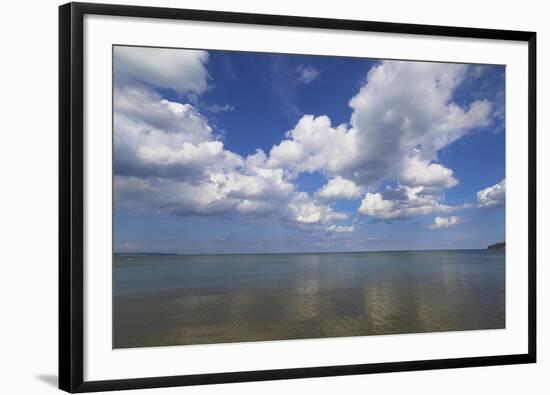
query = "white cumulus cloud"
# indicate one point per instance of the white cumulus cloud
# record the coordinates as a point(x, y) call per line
point(417, 172)
point(315, 145)
point(164, 139)
point(406, 109)
point(303, 209)
point(445, 222)
point(493, 196)
point(183, 70)
point(168, 159)
point(148, 108)
point(402, 202)
point(402, 117)
point(339, 188)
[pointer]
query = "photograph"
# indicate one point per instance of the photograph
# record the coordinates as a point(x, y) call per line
point(277, 196)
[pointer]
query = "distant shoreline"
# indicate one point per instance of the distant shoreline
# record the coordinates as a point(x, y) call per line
point(296, 253)
point(497, 246)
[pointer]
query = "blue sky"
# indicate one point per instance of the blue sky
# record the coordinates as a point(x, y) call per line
point(228, 152)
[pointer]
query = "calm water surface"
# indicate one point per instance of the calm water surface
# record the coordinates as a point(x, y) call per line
point(176, 300)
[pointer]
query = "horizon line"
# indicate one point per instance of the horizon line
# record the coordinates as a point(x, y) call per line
point(294, 252)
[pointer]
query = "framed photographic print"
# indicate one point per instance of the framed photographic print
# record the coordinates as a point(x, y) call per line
point(257, 197)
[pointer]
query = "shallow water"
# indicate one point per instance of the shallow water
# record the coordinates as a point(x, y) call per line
point(176, 300)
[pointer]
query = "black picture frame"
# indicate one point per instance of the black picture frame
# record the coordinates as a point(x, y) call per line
point(71, 195)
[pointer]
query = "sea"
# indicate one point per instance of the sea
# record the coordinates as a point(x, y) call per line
point(165, 300)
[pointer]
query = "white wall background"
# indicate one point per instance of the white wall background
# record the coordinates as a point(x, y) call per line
point(28, 197)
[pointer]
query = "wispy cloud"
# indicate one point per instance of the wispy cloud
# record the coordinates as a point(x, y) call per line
point(217, 108)
point(282, 83)
point(307, 74)
point(128, 247)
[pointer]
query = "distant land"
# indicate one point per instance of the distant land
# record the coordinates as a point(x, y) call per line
point(143, 253)
point(497, 246)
